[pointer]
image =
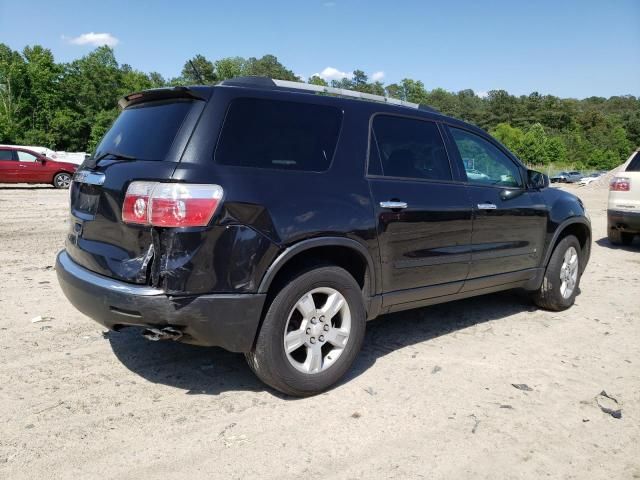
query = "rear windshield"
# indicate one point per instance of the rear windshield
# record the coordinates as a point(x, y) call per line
point(145, 131)
point(634, 164)
point(277, 134)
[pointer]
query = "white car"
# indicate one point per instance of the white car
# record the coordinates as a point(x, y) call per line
point(623, 211)
point(591, 178)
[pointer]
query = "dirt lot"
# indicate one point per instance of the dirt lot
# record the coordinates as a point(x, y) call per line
point(430, 396)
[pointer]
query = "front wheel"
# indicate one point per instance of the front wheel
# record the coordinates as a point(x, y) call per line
point(311, 333)
point(562, 277)
point(62, 180)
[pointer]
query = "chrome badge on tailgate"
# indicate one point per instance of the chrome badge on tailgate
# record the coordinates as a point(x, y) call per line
point(90, 178)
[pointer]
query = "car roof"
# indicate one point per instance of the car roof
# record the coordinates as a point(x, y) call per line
point(351, 98)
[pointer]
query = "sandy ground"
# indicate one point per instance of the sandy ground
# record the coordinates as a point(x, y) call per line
point(430, 396)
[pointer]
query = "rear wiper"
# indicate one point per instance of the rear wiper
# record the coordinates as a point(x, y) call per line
point(115, 155)
point(92, 162)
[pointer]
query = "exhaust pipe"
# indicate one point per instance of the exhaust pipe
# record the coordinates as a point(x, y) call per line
point(166, 333)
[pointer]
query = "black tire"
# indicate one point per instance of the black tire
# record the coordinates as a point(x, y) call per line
point(549, 295)
point(62, 180)
point(269, 360)
point(616, 237)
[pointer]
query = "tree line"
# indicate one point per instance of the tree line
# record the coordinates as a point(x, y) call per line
point(69, 106)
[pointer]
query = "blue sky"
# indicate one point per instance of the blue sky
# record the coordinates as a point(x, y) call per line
point(567, 48)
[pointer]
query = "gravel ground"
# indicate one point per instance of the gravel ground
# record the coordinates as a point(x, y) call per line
point(430, 396)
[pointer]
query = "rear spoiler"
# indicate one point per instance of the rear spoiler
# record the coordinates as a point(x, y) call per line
point(192, 93)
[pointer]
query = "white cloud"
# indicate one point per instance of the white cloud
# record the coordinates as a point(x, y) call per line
point(331, 73)
point(329, 4)
point(377, 76)
point(482, 94)
point(95, 39)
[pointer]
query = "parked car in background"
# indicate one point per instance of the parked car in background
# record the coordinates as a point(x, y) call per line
point(21, 165)
point(261, 217)
point(58, 156)
point(623, 211)
point(591, 178)
point(566, 177)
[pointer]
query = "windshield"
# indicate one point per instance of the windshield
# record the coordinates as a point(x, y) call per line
point(146, 131)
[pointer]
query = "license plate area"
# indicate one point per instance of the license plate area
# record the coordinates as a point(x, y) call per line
point(84, 200)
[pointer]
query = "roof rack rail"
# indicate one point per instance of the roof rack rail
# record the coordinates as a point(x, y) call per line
point(341, 92)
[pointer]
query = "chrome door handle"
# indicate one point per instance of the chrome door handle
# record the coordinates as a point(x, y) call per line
point(394, 205)
point(486, 206)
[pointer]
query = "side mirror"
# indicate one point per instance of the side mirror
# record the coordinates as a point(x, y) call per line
point(537, 180)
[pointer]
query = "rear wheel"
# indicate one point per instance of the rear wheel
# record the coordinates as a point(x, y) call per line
point(312, 332)
point(62, 180)
point(562, 277)
point(616, 237)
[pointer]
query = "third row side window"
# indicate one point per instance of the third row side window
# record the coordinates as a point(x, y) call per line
point(407, 148)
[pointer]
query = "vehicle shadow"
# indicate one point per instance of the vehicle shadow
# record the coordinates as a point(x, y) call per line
point(211, 371)
point(633, 247)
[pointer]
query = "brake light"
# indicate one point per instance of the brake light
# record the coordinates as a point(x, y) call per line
point(170, 204)
point(136, 203)
point(620, 184)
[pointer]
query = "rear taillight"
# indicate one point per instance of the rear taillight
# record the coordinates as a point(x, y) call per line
point(170, 204)
point(620, 184)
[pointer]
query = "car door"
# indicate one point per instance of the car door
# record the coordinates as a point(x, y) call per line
point(31, 169)
point(423, 214)
point(8, 166)
point(509, 220)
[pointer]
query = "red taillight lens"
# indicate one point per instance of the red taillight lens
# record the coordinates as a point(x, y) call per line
point(135, 208)
point(171, 204)
point(620, 184)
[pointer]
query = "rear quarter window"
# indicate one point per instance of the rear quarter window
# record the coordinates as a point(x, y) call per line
point(278, 134)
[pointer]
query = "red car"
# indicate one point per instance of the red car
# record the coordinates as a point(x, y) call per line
point(20, 165)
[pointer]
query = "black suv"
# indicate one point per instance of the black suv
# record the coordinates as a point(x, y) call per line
point(275, 218)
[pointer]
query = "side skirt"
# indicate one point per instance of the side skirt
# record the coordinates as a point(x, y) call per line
point(529, 279)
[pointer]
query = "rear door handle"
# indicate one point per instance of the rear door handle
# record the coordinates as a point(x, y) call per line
point(486, 206)
point(394, 205)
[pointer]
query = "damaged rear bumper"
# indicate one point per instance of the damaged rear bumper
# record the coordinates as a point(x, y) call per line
point(229, 321)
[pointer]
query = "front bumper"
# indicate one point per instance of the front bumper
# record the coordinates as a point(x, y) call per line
point(624, 221)
point(229, 321)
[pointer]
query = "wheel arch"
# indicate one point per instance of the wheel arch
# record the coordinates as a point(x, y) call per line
point(581, 229)
point(344, 252)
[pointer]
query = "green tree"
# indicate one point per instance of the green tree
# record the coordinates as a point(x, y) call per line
point(268, 66)
point(510, 137)
point(229, 67)
point(199, 71)
point(316, 80)
point(69, 106)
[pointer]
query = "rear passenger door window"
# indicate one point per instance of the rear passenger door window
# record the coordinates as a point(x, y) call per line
point(483, 162)
point(277, 134)
point(6, 155)
point(407, 148)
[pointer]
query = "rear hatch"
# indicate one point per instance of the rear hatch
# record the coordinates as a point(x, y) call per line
point(145, 143)
point(624, 194)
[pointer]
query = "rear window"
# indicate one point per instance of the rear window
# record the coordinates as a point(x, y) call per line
point(6, 155)
point(146, 131)
point(277, 134)
point(634, 164)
